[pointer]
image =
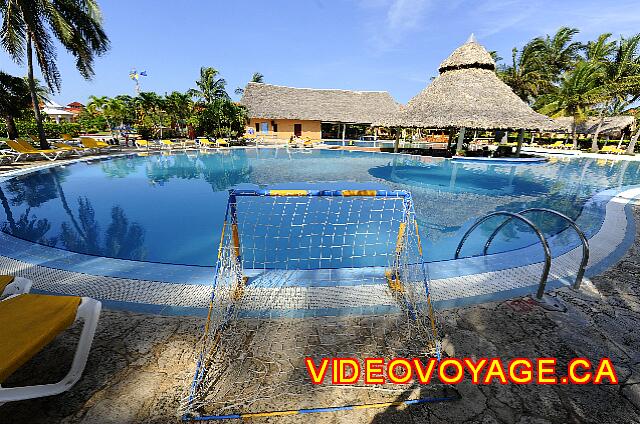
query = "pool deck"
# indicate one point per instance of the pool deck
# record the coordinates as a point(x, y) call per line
point(140, 364)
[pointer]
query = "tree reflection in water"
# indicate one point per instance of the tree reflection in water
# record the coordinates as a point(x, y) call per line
point(123, 239)
point(220, 169)
point(81, 233)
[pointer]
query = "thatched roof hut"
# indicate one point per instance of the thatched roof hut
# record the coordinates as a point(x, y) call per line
point(612, 125)
point(469, 94)
point(269, 101)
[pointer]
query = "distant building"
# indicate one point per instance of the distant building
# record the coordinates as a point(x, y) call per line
point(75, 108)
point(280, 112)
point(56, 112)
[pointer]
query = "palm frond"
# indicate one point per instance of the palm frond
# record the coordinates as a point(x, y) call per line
point(13, 32)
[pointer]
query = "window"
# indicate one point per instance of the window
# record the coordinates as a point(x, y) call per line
point(297, 130)
point(275, 127)
point(257, 126)
point(264, 127)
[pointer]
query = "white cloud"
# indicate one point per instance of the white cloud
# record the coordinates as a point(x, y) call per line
point(406, 14)
point(401, 18)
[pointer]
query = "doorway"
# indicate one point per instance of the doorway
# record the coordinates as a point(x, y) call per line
point(297, 130)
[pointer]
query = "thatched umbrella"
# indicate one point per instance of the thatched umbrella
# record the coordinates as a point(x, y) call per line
point(609, 125)
point(469, 94)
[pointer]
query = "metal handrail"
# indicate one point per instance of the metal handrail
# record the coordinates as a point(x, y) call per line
point(511, 215)
point(583, 239)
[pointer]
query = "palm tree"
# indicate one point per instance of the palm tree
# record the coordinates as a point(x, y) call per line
point(558, 53)
point(621, 77)
point(114, 111)
point(579, 89)
point(129, 108)
point(34, 25)
point(210, 87)
point(179, 107)
point(525, 75)
point(96, 106)
point(256, 77)
point(601, 49)
point(14, 98)
point(634, 140)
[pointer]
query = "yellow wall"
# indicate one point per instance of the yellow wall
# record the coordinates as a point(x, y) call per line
point(310, 129)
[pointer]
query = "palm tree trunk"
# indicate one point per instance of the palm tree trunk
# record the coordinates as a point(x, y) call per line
point(574, 134)
point(8, 212)
point(12, 132)
point(34, 96)
point(632, 143)
point(594, 141)
point(65, 206)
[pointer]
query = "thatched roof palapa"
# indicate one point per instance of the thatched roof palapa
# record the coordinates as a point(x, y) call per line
point(611, 125)
point(469, 94)
point(269, 101)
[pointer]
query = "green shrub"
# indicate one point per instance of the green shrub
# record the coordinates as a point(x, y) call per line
point(51, 129)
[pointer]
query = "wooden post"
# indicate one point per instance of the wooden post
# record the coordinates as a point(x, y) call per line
point(450, 140)
point(520, 140)
point(344, 133)
point(505, 137)
point(460, 139)
point(397, 142)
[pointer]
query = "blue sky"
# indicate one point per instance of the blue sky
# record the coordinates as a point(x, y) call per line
point(393, 45)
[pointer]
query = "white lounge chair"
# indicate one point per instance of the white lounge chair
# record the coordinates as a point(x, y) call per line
point(13, 286)
point(26, 150)
point(28, 323)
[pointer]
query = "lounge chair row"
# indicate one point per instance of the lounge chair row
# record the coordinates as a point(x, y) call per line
point(199, 143)
point(29, 322)
point(22, 148)
point(613, 150)
point(606, 149)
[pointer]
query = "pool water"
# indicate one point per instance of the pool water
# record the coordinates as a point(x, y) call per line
point(170, 208)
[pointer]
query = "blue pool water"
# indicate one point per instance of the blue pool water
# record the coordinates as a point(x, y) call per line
point(170, 209)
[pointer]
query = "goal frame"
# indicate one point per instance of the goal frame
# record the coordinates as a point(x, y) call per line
point(392, 275)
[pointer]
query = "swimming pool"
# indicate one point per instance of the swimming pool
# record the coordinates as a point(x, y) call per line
point(169, 208)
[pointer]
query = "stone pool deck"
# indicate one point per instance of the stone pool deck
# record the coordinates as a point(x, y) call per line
point(141, 365)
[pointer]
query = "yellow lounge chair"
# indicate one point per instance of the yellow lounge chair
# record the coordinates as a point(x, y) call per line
point(12, 286)
point(92, 143)
point(66, 137)
point(24, 143)
point(170, 144)
point(187, 144)
point(205, 143)
point(556, 145)
point(28, 323)
point(78, 149)
point(612, 150)
point(143, 144)
point(50, 154)
point(222, 142)
point(27, 145)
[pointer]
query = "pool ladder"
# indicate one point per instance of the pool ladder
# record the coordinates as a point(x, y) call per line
point(545, 246)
